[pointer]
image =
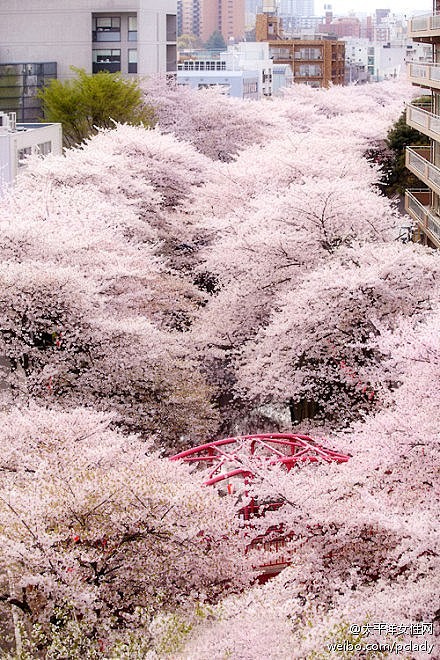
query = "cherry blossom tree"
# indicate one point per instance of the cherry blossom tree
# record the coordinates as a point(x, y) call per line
point(98, 536)
point(160, 287)
point(326, 332)
point(365, 546)
point(290, 207)
point(61, 349)
point(107, 334)
point(217, 125)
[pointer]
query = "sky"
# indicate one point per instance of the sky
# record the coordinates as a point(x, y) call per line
point(407, 7)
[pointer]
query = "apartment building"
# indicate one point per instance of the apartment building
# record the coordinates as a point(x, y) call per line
point(316, 62)
point(423, 204)
point(203, 17)
point(131, 36)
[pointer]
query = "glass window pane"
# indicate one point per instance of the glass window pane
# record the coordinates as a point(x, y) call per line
point(104, 22)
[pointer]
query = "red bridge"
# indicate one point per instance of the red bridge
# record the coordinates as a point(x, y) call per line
point(234, 462)
point(236, 457)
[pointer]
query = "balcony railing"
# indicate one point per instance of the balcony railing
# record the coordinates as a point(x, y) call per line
point(427, 75)
point(423, 120)
point(110, 67)
point(418, 161)
point(427, 25)
point(417, 205)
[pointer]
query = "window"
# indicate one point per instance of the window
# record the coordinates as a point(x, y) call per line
point(171, 27)
point(22, 154)
point(250, 89)
point(171, 58)
point(106, 28)
point(106, 60)
point(222, 87)
point(132, 28)
point(44, 148)
point(202, 65)
point(132, 60)
point(281, 53)
point(305, 70)
point(308, 54)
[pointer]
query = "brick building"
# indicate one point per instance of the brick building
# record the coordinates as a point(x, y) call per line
point(316, 62)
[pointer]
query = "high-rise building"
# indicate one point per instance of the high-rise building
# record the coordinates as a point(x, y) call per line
point(131, 36)
point(203, 17)
point(423, 205)
point(300, 8)
point(188, 17)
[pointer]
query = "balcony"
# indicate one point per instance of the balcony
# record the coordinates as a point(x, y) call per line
point(418, 161)
point(424, 27)
point(425, 75)
point(417, 205)
point(423, 120)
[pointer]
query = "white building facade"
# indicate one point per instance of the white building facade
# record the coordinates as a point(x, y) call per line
point(131, 36)
point(239, 84)
point(20, 140)
point(252, 56)
point(382, 61)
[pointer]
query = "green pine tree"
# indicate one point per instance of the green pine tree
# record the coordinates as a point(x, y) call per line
point(216, 41)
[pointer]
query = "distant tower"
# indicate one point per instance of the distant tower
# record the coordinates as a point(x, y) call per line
point(268, 24)
point(381, 13)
